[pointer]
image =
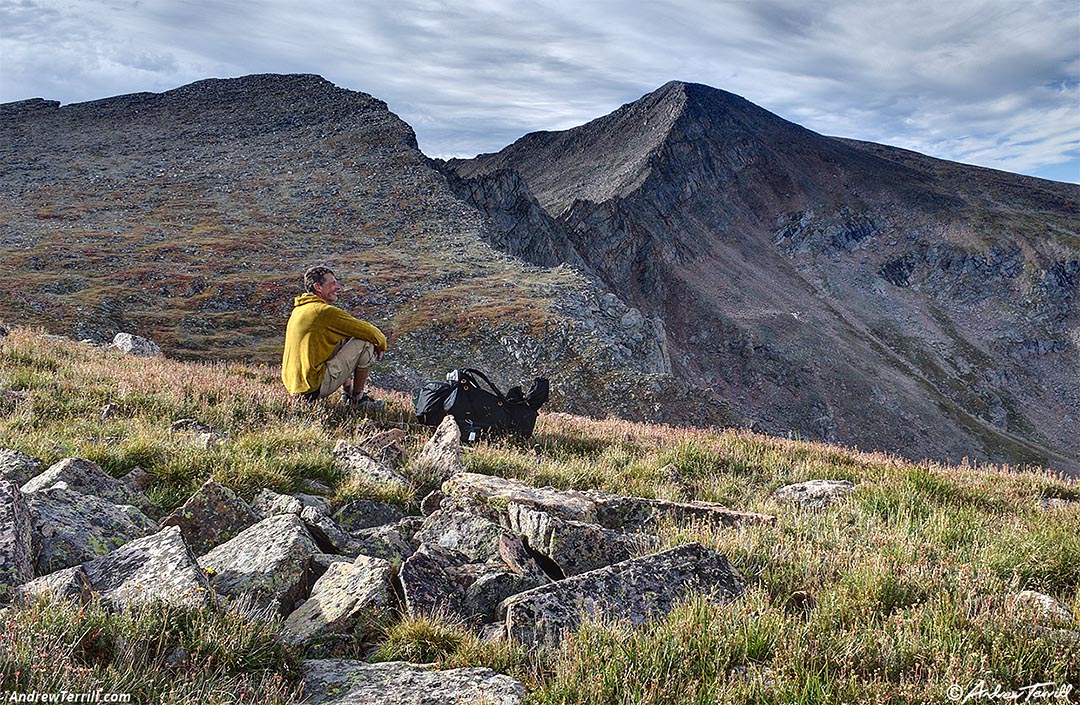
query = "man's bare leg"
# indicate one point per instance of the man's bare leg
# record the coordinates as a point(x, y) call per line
point(360, 376)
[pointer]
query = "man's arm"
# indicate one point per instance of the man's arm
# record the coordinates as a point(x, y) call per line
point(350, 326)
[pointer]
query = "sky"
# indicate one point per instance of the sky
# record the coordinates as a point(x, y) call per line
point(994, 83)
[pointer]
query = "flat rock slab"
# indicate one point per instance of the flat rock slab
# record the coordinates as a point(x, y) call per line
point(212, 516)
point(815, 493)
point(16, 540)
point(342, 596)
point(268, 562)
point(344, 682)
point(490, 493)
point(486, 494)
point(75, 527)
point(635, 590)
point(87, 477)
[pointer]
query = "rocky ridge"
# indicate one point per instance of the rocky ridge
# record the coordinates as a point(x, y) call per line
point(840, 290)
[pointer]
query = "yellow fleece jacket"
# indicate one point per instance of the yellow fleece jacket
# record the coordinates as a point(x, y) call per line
point(315, 328)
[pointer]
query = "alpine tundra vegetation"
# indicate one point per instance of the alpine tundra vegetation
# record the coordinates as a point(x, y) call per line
point(881, 581)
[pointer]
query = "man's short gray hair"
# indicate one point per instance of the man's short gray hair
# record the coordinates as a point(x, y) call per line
point(314, 276)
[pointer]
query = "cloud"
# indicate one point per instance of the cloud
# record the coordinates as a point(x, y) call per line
point(993, 83)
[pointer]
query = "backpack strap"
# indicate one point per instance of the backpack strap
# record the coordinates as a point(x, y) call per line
point(471, 371)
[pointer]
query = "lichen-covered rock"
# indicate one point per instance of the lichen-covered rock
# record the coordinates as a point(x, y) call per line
point(18, 467)
point(434, 580)
point(87, 477)
point(575, 546)
point(69, 583)
point(441, 456)
point(16, 542)
point(136, 345)
point(475, 537)
point(75, 527)
point(386, 447)
point(344, 595)
point(635, 590)
point(268, 562)
point(155, 568)
point(440, 579)
point(621, 513)
point(325, 530)
point(380, 542)
point(1042, 607)
point(484, 595)
point(212, 516)
point(268, 503)
point(366, 514)
point(353, 461)
point(488, 496)
point(346, 682)
point(815, 493)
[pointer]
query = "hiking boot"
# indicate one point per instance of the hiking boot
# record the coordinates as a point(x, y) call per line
point(365, 402)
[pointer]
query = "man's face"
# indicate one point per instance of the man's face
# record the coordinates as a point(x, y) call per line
point(328, 290)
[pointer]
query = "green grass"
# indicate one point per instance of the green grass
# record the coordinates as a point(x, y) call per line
point(890, 596)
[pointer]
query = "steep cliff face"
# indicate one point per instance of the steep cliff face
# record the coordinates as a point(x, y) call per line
point(826, 287)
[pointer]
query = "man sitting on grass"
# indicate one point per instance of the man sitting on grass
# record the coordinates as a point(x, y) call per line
point(325, 347)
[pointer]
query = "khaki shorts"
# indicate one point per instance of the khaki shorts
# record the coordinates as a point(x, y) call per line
point(349, 355)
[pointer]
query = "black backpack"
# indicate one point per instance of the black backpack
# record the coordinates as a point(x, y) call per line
point(481, 410)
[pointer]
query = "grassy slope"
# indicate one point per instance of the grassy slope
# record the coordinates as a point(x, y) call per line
point(892, 596)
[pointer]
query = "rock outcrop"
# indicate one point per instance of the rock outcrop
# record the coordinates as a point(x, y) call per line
point(16, 540)
point(505, 559)
point(342, 682)
point(488, 495)
point(212, 516)
point(815, 493)
point(155, 568)
point(346, 593)
point(136, 345)
point(87, 477)
point(268, 563)
point(74, 527)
